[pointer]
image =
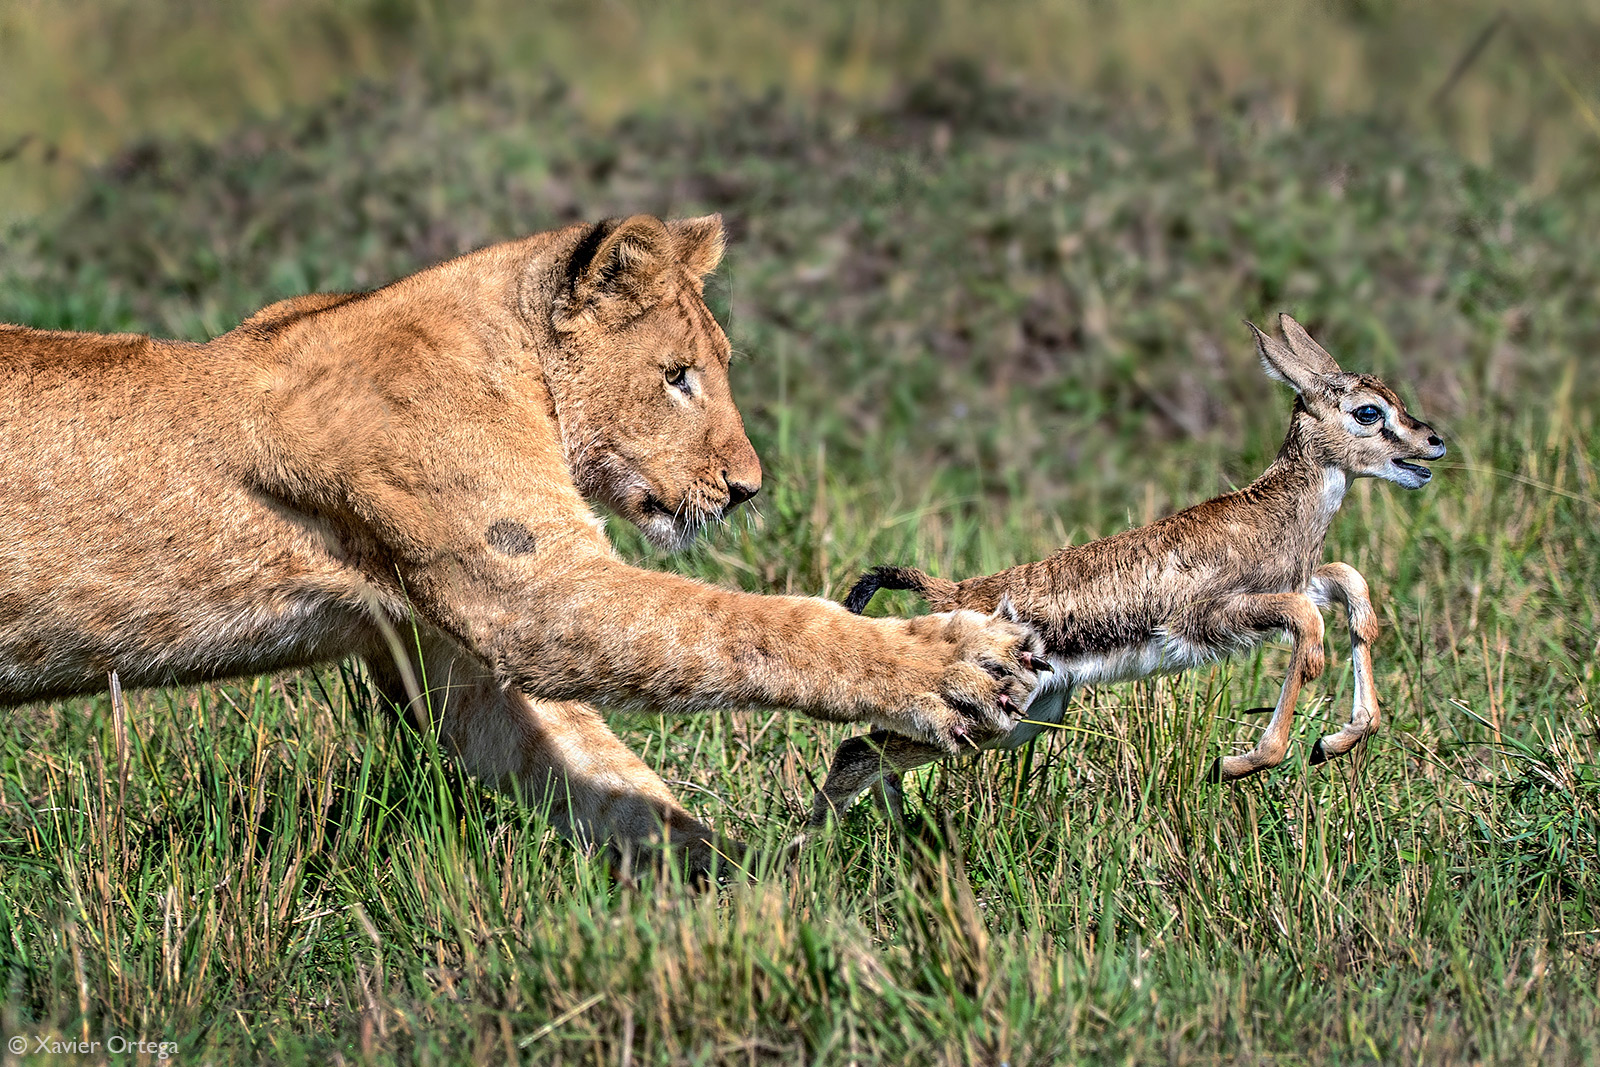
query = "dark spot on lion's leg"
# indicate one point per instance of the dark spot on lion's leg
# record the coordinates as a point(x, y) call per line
point(510, 537)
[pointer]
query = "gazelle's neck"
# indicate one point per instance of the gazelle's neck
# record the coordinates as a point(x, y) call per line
point(1334, 483)
point(1308, 487)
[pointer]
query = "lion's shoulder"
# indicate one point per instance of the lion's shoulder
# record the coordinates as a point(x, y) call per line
point(284, 313)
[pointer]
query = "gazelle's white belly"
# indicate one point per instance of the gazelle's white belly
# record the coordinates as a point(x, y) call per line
point(1162, 654)
point(1047, 706)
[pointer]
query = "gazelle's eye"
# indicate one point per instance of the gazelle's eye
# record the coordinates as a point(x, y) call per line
point(1367, 414)
point(678, 378)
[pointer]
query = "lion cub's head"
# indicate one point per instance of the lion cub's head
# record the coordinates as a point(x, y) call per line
point(641, 379)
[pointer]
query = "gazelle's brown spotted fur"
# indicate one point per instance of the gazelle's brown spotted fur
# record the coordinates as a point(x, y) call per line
point(1215, 579)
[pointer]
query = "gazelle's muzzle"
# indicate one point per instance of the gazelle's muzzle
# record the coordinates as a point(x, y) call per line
point(1433, 449)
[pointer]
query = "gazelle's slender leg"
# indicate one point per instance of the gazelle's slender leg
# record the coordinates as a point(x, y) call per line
point(877, 760)
point(890, 796)
point(862, 762)
point(1342, 583)
point(1298, 614)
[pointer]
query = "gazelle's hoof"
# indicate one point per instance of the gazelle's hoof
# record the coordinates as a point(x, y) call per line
point(1215, 774)
point(797, 844)
point(1233, 768)
point(1318, 754)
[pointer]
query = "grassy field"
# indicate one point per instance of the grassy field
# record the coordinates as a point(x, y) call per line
point(978, 318)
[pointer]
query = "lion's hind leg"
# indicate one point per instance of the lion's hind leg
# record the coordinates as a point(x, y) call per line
point(558, 755)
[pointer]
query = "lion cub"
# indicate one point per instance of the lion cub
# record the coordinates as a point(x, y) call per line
point(1210, 581)
point(423, 460)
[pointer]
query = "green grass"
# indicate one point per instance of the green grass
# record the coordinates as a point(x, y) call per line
point(979, 322)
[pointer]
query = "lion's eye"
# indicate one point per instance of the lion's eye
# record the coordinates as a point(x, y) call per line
point(1367, 414)
point(678, 378)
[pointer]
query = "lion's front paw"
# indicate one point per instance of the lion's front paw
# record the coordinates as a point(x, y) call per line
point(990, 666)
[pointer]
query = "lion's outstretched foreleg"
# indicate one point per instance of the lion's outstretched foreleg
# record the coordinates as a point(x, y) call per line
point(596, 629)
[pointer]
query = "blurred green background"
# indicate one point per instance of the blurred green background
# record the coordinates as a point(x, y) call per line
point(85, 79)
point(986, 272)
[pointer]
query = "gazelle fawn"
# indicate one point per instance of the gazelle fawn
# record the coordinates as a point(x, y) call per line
point(1210, 581)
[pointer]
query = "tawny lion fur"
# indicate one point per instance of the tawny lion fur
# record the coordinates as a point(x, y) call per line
point(344, 467)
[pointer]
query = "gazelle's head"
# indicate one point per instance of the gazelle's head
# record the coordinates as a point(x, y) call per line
point(1355, 421)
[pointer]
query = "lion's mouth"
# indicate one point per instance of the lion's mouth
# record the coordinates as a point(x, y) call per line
point(688, 514)
point(672, 528)
point(654, 505)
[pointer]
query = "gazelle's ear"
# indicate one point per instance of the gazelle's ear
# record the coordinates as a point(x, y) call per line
point(1005, 609)
point(1286, 365)
point(1303, 346)
point(616, 272)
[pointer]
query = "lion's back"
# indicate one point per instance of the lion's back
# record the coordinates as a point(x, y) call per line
point(127, 541)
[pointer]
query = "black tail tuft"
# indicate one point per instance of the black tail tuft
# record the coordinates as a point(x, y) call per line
point(883, 578)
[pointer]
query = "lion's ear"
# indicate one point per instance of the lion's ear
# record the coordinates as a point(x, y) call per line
point(699, 243)
point(616, 271)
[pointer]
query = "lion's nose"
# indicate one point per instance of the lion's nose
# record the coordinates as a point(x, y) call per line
point(739, 492)
point(741, 472)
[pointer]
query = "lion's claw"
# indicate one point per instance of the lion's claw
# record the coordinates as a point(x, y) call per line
point(1037, 664)
point(989, 673)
